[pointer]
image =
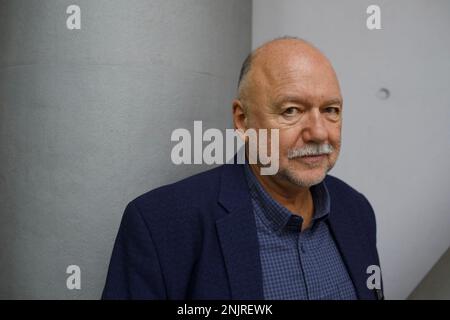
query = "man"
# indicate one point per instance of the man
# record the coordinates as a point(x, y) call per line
point(232, 233)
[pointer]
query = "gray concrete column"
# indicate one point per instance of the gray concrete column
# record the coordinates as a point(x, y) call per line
point(86, 117)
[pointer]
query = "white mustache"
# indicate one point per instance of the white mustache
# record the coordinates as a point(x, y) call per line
point(310, 149)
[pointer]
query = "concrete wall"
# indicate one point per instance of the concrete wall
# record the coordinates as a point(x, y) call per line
point(395, 150)
point(85, 122)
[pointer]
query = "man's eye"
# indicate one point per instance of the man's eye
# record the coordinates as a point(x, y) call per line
point(333, 113)
point(332, 110)
point(290, 111)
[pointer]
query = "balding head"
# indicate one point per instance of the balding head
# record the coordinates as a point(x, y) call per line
point(279, 57)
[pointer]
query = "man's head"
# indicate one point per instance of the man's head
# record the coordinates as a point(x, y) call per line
point(288, 84)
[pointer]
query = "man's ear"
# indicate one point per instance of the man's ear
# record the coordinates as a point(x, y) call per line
point(239, 115)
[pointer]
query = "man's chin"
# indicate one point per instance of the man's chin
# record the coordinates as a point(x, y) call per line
point(304, 179)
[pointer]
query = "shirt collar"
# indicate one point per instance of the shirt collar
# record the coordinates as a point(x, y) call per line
point(278, 216)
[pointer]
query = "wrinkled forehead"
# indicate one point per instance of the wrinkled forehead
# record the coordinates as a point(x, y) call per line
point(294, 73)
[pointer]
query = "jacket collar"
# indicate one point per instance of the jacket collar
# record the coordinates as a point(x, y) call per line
point(238, 237)
point(352, 245)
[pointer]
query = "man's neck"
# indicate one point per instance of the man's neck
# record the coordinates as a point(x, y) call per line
point(297, 199)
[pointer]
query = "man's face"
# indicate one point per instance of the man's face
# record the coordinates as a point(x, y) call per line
point(301, 97)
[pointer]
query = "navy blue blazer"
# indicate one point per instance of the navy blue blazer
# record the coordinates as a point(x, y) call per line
point(196, 239)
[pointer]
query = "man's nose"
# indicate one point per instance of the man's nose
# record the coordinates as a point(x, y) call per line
point(314, 127)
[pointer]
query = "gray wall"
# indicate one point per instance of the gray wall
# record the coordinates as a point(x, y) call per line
point(86, 117)
point(396, 151)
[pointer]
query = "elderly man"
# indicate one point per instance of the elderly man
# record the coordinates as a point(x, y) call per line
point(233, 233)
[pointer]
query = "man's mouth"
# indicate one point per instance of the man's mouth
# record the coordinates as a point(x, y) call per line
point(313, 159)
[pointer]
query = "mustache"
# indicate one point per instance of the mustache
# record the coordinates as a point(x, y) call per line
point(310, 149)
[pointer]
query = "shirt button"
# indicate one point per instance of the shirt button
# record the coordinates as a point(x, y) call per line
point(295, 223)
point(302, 248)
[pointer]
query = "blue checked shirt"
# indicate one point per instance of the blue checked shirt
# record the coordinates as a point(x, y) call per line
point(298, 265)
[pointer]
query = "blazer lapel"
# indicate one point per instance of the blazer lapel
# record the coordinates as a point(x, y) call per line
point(238, 237)
point(352, 246)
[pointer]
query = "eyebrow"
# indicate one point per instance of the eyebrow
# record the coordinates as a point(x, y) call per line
point(290, 98)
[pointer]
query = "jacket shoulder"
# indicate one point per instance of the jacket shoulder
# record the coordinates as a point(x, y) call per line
point(187, 194)
point(343, 191)
point(338, 185)
point(352, 202)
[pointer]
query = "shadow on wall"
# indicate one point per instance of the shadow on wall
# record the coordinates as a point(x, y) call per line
point(436, 284)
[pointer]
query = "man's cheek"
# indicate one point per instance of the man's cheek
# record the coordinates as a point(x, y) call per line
point(284, 161)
